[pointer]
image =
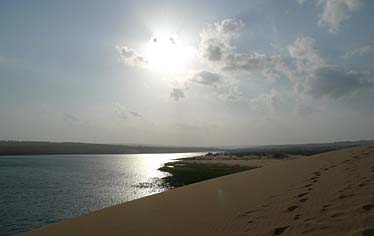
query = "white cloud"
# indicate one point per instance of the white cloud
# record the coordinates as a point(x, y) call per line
point(217, 49)
point(230, 93)
point(304, 51)
point(215, 40)
point(220, 62)
point(336, 12)
point(307, 70)
point(131, 57)
point(217, 53)
point(311, 75)
point(304, 60)
point(360, 51)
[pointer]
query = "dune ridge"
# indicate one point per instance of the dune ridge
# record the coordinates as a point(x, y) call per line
point(326, 194)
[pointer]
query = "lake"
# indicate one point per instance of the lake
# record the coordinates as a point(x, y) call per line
point(38, 190)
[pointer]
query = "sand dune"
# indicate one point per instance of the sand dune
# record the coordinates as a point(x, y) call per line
point(326, 194)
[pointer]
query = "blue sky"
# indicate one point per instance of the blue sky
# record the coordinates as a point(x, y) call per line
point(187, 72)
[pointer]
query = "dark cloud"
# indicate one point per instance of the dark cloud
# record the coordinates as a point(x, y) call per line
point(336, 82)
point(309, 74)
point(214, 52)
point(207, 78)
point(124, 113)
point(218, 83)
point(70, 118)
point(135, 114)
point(177, 94)
point(131, 57)
point(252, 63)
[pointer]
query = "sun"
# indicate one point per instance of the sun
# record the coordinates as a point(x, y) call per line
point(166, 53)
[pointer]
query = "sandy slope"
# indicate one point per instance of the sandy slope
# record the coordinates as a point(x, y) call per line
point(327, 194)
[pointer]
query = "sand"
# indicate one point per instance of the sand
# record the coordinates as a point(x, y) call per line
point(325, 194)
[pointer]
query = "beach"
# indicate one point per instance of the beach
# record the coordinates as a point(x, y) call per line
point(326, 194)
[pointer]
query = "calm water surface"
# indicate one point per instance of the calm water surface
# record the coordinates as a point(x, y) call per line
point(38, 190)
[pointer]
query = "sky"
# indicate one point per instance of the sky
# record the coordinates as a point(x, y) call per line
point(201, 73)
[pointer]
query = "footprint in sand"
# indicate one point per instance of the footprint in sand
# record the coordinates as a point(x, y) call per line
point(297, 217)
point(317, 173)
point(368, 207)
point(280, 230)
point(344, 196)
point(291, 208)
point(302, 194)
point(324, 207)
point(303, 200)
point(338, 214)
point(309, 219)
point(346, 187)
point(247, 213)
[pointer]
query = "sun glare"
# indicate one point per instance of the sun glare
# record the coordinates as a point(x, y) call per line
point(166, 53)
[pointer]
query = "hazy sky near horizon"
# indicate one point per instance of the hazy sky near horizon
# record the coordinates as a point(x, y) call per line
point(187, 72)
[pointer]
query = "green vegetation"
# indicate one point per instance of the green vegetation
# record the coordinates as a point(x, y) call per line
point(184, 173)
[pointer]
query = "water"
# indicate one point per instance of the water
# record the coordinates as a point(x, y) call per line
point(38, 190)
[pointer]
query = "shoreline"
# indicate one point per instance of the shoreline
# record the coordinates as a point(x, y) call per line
point(304, 195)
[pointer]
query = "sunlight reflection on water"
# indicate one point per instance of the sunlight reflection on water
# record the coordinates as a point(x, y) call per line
point(37, 190)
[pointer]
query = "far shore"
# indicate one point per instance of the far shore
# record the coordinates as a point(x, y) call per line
point(11, 148)
point(325, 194)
